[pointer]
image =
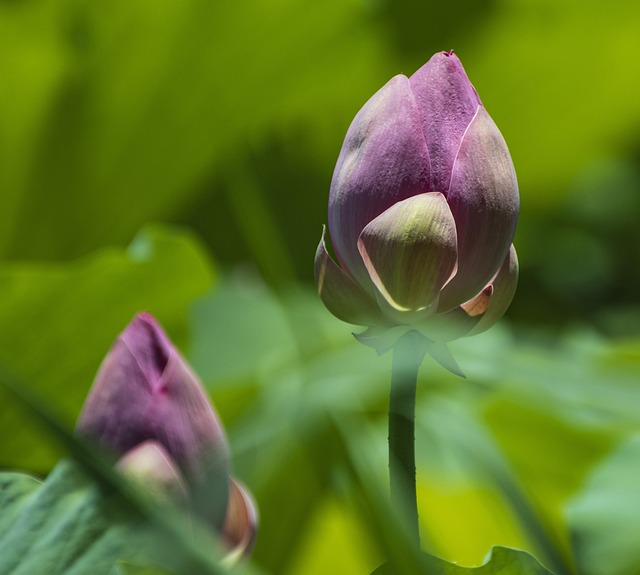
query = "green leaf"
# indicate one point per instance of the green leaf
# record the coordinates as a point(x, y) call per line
point(234, 313)
point(126, 568)
point(392, 526)
point(73, 525)
point(604, 517)
point(501, 561)
point(15, 492)
point(57, 322)
point(65, 525)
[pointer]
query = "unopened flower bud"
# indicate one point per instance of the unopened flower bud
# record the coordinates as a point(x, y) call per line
point(148, 408)
point(423, 210)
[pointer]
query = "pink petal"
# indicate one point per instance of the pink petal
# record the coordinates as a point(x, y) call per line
point(447, 102)
point(383, 160)
point(484, 200)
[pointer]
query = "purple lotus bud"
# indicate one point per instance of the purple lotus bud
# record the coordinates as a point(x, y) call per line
point(422, 209)
point(145, 390)
point(149, 409)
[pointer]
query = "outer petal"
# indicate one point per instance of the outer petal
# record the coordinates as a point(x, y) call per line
point(343, 296)
point(484, 200)
point(504, 288)
point(241, 523)
point(383, 160)
point(410, 251)
point(447, 102)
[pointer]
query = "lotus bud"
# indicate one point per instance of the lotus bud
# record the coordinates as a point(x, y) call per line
point(149, 409)
point(423, 210)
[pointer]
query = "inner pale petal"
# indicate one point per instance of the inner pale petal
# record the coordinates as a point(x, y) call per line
point(410, 251)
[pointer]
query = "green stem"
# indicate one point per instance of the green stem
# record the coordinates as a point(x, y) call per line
point(408, 354)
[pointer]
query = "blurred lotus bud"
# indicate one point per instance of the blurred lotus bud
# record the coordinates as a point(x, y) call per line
point(149, 409)
point(423, 210)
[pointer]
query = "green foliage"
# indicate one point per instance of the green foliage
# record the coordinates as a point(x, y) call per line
point(501, 561)
point(305, 412)
point(603, 516)
point(72, 524)
point(133, 104)
point(66, 525)
point(125, 568)
point(499, 455)
point(58, 321)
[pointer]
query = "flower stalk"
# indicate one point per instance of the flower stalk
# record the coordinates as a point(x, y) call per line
point(408, 354)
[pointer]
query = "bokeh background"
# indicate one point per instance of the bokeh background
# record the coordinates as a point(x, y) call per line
point(175, 156)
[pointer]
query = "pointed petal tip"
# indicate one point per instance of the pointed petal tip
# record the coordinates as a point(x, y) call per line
point(447, 55)
point(148, 343)
point(442, 355)
point(144, 320)
point(145, 316)
point(382, 339)
point(479, 304)
point(447, 101)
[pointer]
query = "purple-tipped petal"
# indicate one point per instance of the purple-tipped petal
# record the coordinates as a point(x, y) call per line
point(410, 251)
point(241, 523)
point(504, 288)
point(447, 102)
point(422, 136)
point(484, 200)
point(383, 160)
point(343, 296)
point(144, 390)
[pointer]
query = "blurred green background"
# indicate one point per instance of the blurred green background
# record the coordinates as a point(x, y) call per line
point(175, 156)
